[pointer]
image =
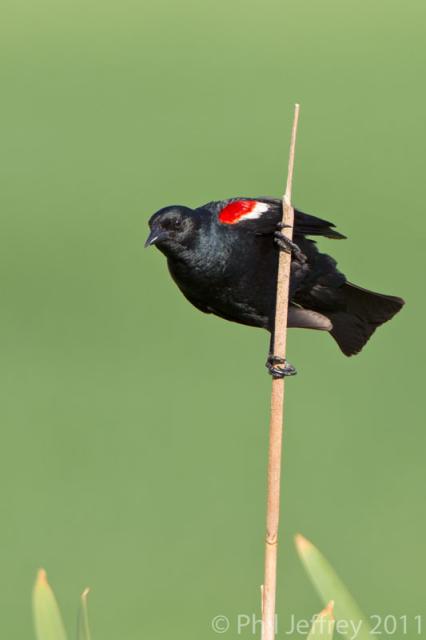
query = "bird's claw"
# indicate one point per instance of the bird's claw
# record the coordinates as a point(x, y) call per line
point(278, 372)
point(287, 245)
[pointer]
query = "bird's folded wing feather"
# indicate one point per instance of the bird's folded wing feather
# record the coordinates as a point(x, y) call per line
point(261, 215)
point(304, 223)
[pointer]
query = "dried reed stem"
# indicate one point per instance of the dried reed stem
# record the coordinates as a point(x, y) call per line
point(276, 424)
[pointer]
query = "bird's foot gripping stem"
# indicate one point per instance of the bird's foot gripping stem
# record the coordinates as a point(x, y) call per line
point(287, 245)
point(276, 371)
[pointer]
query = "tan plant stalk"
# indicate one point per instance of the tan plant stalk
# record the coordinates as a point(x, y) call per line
point(276, 424)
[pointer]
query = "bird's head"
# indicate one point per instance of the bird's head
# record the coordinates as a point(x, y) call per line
point(171, 228)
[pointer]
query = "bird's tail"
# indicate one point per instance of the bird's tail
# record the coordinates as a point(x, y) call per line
point(365, 311)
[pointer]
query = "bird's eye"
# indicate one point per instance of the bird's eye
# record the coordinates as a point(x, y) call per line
point(177, 223)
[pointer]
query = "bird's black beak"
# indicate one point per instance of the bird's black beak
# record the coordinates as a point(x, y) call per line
point(154, 236)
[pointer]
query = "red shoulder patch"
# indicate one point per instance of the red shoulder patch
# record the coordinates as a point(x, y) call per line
point(240, 210)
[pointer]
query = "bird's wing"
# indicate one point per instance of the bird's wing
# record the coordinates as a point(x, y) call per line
point(261, 216)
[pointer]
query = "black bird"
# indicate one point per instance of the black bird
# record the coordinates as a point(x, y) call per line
point(223, 256)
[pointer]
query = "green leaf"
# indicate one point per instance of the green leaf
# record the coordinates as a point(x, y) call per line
point(83, 618)
point(323, 625)
point(47, 617)
point(350, 621)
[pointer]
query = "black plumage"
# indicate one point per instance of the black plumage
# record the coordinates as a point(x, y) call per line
point(224, 258)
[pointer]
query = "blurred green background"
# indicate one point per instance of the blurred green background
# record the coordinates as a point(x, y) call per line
point(134, 429)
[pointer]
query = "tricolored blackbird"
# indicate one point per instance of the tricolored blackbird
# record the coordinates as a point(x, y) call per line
point(224, 258)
